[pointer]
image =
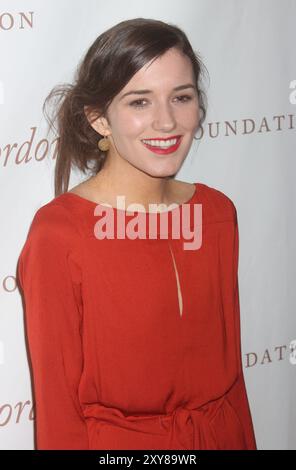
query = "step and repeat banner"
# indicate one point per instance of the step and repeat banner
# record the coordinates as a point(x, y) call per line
point(246, 149)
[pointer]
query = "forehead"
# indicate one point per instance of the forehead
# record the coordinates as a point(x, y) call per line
point(167, 71)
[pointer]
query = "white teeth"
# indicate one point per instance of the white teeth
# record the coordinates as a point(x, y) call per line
point(161, 143)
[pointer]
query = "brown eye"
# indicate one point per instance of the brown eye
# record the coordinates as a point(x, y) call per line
point(187, 98)
point(136, 103)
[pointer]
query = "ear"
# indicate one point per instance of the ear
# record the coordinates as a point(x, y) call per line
point(97, 122)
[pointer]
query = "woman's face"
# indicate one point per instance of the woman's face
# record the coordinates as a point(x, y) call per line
point(158, 114)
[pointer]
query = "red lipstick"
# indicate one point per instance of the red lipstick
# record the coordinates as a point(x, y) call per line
point(164, 151)
point(163, 138)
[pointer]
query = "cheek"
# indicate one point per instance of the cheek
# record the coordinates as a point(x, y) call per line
point(130, 124)
point(133, 123)
point(189, 118)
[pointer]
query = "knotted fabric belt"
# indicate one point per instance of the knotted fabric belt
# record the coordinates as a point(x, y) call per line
point(184, 428)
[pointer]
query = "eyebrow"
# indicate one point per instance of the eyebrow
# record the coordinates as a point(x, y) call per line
point(144, 92)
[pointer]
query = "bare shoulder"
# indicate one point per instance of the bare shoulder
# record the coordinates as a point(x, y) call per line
point(81, 189)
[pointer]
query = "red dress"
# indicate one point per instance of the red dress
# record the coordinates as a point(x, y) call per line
point(135, 343)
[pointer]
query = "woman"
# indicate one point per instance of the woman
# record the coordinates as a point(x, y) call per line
point(134, 340)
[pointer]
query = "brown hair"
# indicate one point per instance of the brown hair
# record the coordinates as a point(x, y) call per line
point(110, 62)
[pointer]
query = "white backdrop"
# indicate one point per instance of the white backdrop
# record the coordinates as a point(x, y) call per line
point(247, 151)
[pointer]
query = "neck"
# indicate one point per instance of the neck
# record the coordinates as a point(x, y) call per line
point(135, 185)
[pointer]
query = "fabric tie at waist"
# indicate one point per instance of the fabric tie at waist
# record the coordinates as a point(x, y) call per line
point(185, 428)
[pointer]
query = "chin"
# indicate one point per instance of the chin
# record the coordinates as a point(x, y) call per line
point(162, 172)
point(158, 169)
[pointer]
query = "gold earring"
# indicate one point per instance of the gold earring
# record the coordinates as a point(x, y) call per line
point(104, 144)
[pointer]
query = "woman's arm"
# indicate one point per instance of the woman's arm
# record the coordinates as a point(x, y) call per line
point(238, 393)
point(49, 276)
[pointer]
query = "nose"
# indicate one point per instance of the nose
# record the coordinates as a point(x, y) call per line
point(164, 119)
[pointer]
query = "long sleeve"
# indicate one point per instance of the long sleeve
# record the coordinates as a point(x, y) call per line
point(49, 273)
point(238, 393)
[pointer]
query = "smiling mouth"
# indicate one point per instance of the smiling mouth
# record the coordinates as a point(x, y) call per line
point(162, 147)
point(162, 143)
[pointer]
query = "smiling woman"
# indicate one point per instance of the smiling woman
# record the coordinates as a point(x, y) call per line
point(151, 60)
point(159, 122)
point(134, 341)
